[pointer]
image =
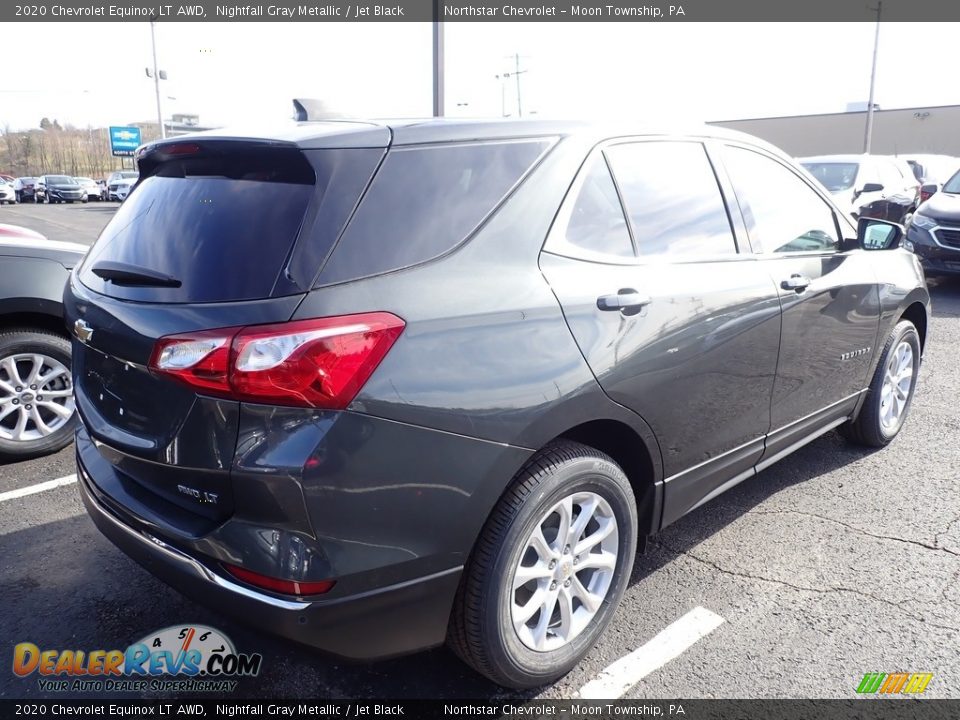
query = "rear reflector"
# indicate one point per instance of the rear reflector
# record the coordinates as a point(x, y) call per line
point(319, 363)
point(285, 587)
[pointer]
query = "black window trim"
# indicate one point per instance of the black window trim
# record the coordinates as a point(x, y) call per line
point(822, 194)
point(556, 243)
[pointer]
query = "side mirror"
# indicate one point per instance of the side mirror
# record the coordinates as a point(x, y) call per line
point(927, 190)
point(871, 187)
point(875, 234)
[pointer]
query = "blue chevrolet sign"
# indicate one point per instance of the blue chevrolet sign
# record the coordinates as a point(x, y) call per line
point(124, 140)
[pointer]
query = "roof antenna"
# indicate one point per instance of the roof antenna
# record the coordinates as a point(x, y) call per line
point(307, 109)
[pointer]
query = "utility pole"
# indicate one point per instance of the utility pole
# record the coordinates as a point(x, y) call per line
point(156, 77)
point(517, 72)
point(868, 138)
point(437, 60)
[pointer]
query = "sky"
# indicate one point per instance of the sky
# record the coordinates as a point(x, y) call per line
point(249, 72)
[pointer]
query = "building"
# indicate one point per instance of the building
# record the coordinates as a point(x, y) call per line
point(933, 130)
point(183, 124)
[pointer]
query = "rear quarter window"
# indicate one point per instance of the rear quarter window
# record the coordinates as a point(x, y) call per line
point(425, 201)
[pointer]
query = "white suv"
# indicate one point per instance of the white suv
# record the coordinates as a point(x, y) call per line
point(113, 183)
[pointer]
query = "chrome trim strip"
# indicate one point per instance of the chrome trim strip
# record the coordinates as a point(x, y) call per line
point(767, 462)
point(818, 412)
point(933, 233)
point(763, 438)
point(714, 459)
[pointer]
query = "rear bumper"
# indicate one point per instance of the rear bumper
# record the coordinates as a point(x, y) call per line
point(390, 621)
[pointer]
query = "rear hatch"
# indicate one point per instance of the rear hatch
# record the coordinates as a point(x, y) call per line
point(204, 241)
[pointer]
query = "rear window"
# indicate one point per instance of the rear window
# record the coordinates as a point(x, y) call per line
point(425, 201)
point(222, 226)
point(834, 176)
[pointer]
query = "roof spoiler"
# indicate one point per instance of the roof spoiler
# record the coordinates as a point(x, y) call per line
point(306, 109)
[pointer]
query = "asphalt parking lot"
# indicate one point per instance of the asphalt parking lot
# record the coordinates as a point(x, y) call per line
point(833, 563)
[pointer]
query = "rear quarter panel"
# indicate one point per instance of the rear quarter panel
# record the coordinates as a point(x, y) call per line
point(31, 285)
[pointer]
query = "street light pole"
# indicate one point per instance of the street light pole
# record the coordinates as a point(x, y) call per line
point(437, 60)
point(156, 78)
point(868, 138)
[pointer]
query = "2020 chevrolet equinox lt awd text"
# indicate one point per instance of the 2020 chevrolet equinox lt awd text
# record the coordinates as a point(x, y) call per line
point(377, 387)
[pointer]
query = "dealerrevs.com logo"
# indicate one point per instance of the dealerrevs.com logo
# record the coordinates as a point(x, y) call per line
point(180, 658)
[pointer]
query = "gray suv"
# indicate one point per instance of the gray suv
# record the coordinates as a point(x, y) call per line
point(380, 387)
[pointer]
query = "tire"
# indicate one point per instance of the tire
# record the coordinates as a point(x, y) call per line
point(482, 630)
point(19, 349)
point(84, 201)
point(884, 411)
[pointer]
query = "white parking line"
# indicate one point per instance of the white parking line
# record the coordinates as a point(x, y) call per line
point(38, 488)
point(668, 644)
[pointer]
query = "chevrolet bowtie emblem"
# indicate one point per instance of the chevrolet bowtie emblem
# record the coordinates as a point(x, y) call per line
point(82, 330)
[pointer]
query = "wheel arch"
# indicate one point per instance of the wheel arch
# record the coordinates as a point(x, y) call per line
point(32, 314)
point(630, 451)
point(917, 314)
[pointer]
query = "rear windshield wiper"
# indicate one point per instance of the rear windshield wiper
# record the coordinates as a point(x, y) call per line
point(124, 274)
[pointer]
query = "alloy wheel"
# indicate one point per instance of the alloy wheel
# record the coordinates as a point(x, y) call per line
point(897, 382)
point(36, 396)
point(565, 571)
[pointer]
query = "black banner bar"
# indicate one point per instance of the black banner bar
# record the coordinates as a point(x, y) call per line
point(481, 11)
point(873, 708)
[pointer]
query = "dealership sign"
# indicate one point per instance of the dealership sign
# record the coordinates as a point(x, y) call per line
point(124, 140)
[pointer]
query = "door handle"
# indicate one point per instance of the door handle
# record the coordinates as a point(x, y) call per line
point(796, 282)
point(624, 300)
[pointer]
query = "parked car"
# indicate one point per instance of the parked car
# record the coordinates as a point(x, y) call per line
point(37, 410)
point(934, 234)
point(124, 186)
point(9, 179)
point(28, 189)
point(933, 171)
point(113, 182)
point(910, 184)
point(866, 185)
point(452, 410)
point(90, 187)
point(7, 194)
point(62, 189)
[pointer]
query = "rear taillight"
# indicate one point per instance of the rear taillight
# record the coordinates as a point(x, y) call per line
point(308, 363)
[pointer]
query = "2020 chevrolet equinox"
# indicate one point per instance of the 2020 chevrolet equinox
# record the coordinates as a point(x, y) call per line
point(380, 386)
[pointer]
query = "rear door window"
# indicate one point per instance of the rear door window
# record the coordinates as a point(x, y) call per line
point(425, 201)
point(672, 199)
